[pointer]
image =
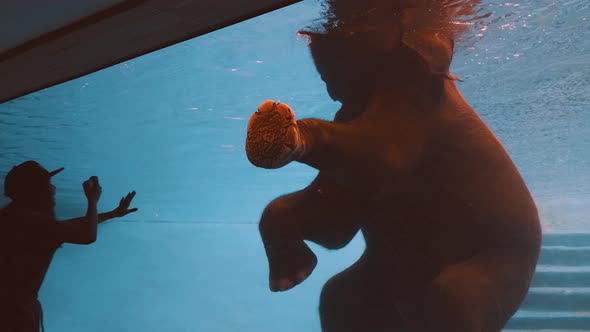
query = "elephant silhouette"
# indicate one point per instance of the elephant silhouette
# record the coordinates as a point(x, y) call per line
point(452, 233)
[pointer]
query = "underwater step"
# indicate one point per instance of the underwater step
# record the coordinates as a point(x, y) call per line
point(565, 255)
point(566, 239)
point(561, 277)
point(549, 321)
point(557, 299)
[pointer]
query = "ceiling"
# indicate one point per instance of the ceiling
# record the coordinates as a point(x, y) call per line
point(44, 43)
point(23, 20)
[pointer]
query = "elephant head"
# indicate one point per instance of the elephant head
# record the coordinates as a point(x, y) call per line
point(370, 33)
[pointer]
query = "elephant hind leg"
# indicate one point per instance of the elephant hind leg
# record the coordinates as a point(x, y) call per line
point(478, 295)
point(352, 301)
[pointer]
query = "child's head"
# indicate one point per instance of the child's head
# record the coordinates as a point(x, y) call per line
point(29, 185)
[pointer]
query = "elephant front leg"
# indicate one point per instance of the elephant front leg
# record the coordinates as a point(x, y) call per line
point(275, 138)
point(329, 220)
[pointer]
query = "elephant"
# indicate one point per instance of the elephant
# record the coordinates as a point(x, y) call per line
point(452, 233)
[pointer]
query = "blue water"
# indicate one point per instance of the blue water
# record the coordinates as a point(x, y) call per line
point(171, 125)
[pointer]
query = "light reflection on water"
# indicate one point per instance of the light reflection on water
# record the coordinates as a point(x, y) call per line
point(528, 78)
point(172, 124)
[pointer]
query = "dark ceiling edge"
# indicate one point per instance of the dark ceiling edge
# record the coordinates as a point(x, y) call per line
point(77, 25)
point(111, 12)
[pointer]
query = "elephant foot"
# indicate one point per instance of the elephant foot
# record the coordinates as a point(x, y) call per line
point(289, 265)
point(273, 138)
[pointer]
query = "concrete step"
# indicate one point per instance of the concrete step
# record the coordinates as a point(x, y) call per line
point(558, 299)
point(549, 321)
point(565, 255)
point(566, 239)
point(561, 277)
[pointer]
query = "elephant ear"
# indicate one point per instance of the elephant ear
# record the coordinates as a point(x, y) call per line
point(431, 46)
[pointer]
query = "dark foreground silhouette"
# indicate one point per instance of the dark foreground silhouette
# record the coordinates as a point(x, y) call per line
point(452, 233)
point(30, 236)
